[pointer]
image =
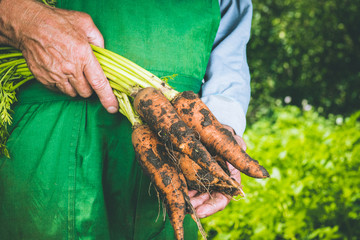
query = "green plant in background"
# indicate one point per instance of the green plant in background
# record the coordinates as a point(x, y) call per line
point(305, 50)
point(314, 190)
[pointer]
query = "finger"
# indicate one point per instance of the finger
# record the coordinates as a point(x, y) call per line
point(192, 193)
point(75, 77)
point(89, 28)
point(215, 204)
point(199, 199)
point(81, 86)
point(52, 87)
point(240, 141)
point(229, 128)
point(4, 40)
point(65, 87)
point(97, 80)
point(234, 173)
point(95, 37)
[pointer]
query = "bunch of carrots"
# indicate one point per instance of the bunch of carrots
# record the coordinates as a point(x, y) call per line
point(177, 140)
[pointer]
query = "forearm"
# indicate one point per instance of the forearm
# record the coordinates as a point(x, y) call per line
point(14, 15)
point(227, 81)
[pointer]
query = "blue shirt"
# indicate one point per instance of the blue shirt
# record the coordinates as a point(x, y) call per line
point(226, 88)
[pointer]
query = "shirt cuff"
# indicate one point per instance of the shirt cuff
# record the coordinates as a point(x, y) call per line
point(227, 111)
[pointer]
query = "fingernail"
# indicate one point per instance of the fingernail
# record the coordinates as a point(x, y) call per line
point(111, 109)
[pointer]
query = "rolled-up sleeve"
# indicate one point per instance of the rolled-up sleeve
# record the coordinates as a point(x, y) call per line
point(226, 88)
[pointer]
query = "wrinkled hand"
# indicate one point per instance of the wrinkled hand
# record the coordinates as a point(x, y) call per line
point(56, 46)
point(207, 204)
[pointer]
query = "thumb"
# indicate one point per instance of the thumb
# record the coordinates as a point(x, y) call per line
point(95, 37)
point(86, 25)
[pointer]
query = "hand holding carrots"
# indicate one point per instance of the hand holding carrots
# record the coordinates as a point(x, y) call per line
point(56, 45)
point(207, 154)
point(207, 204)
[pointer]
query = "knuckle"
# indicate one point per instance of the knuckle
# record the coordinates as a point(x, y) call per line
point(82, 46)
point(80, 85)
point(97, 38)
point(45, 82)
point(85, 93)
point(84, 52)
point(98, 84)
point(71, 93)
point(85, 17)
point(68, 68)
point(47, 62)
point(100, 38)
point(66, 88)
point(60, 87)
point(35, 71)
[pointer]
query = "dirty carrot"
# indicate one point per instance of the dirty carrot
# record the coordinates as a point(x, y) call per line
point(153, 158)
point(200, 179)
point(222, 164)
point(217, 139)
point(161, 116)
point(150, 154)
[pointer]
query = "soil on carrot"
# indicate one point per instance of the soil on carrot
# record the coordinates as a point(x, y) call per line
point(152, 157)
point(174, 132)
point(217, 139)
point(207, 120)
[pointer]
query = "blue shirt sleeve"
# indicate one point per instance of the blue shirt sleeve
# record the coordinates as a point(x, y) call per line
point(226, 88)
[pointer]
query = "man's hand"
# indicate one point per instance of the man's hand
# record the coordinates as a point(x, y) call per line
point(206, 204)
point(56, 46)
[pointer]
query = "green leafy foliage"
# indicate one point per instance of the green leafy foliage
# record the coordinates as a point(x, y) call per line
point(305, 50)
point(314, 190)
point(11, 77)
point(7, 96)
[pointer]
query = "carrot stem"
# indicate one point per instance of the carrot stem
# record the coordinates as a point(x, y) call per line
point(22, 82)
point(10, 55)
point(137, 74)
point(127, 109)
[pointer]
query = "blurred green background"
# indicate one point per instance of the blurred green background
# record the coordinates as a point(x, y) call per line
point(303, 125)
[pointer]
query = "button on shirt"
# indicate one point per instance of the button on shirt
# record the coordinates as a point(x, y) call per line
point(226, 88)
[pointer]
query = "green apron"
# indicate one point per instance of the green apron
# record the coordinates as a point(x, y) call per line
point(72, 172)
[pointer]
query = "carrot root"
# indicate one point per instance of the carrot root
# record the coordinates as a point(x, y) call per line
point(217, 139)
point(161, 116)
point(151, 155)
